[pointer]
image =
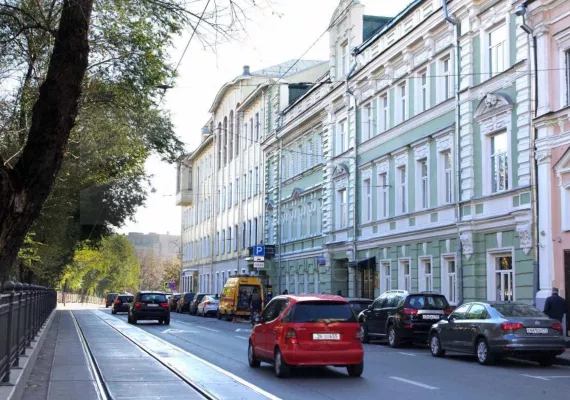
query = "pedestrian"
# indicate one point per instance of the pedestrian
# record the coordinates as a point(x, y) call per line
point(254, 303)
point(285, 291)
point(339, 293)
point(555, 306)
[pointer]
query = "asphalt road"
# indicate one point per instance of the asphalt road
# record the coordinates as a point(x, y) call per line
point(408, 373)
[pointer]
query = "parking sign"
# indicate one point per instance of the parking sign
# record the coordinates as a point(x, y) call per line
point(259, 250)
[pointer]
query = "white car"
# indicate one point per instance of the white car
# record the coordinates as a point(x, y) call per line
point(208, 305)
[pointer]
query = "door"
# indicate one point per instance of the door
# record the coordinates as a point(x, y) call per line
point(567, 288)
point(459, 328)
point(446, 332)
point(272, 324)
point(373, 315)
point(260, 330)
point(477, 320)
point(367, 283)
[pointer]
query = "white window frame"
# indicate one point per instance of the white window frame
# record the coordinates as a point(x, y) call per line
point(485, 31)
point(385, 275)
point(223, 242)
point(249, 184)
point(319, 149)
point(423, 184)
point(403, 105)
point(446, 84)
point(450, 292)
point(299, 222)
point(383, 199)
point(423, 91)
point(492, 157)
point(367, 196)
point(309, 217)
point(292, 227)
point(366, 120)
point(256, 182)
point(498, 53)
point(425, 280)
point(445, 176)
point(229, 241)
point(341, 137)
point(342, 208)
point(344, 59)
point(309, 154)
point(405, 280)
point(402, 190)
point(492, 256)
point(384, 110)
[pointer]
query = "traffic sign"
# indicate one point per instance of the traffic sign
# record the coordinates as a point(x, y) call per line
point(258, 259)
point(165, 285)
point(258, 264)
point(259, 250)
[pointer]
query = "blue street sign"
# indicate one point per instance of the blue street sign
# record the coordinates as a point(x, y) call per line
point(259, 250)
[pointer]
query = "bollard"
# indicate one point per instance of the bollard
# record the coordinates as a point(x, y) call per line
point(8, 289)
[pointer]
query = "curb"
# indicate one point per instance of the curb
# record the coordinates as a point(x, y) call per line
point(562, 361)
point(20, 376)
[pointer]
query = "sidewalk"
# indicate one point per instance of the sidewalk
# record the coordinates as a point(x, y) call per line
point(564, 358)
point(89, 355)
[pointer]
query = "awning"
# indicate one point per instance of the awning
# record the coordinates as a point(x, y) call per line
point(368, 263)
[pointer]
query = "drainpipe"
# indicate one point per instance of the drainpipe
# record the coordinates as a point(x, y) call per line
point(457, 134)
point(355, 202)
point(521, 12)
point(279, 228)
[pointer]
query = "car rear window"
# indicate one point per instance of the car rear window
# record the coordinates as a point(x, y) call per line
point(425, 302)
point(360, 306)
point(322, 311)
point(189, 296)
point(153, 298)
point(111, 296)
point(176, 296)
point(517, 310)
point(127, 299)
point(200, 297)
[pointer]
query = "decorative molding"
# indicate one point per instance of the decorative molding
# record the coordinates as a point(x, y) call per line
point(492, 104)
point(382, 167)
point(467, 244)
point(543, 156)
point(339, 170)
point(421, 151)
point(366, 173)
point(525, 237)
point(341, 184)
point(444, 143)
point(401, 159)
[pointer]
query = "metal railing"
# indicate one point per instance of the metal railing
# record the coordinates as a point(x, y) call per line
point(23, 311)
point(66, 297)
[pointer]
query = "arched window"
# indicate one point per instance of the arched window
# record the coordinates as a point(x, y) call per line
point(225, 140)
point(231, 137)
point(219, 139)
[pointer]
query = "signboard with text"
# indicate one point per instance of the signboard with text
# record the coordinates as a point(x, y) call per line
point(258, 264)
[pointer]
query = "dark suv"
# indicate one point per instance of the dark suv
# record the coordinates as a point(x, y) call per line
point(193, 309)
point(150, 306)
point(110, 299)
point(121, 303)
point(401, 316)
point(184, 302)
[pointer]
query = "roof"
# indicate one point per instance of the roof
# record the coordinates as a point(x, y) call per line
point(312, 297)
point(373, 24)
point(287, 68)
point(352, 299)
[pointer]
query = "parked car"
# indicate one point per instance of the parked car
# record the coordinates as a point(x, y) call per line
point(173, 301)
point(193, 309)
point(401, 316)
point(121, 303)
point(359, 304)
point(110, 299)
point(307, 330)
point(234, 301)
point(208, 306)
point(491, 330)
point(184, 302)
point(149, 305)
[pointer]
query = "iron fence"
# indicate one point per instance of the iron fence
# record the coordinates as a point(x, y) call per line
point(66, 297)
point(23, 311)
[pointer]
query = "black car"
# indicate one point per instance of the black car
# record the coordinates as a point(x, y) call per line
point(150, 306)
point(121, 303)
point(359, 304)
point(173, 301)
point(110, 299)
point(184, 302)
point(193, 309)
point(401, 316)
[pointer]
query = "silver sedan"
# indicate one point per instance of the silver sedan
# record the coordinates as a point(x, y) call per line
point(490, 330)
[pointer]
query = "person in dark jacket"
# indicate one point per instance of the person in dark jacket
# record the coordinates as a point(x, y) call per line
point(555, 306)
point(254, 302)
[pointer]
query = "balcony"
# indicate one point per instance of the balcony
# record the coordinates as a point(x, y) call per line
point(184, 197)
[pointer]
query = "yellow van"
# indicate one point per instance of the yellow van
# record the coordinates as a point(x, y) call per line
point(234, 301)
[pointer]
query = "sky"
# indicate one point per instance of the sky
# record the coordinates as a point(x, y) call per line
point(273, 35)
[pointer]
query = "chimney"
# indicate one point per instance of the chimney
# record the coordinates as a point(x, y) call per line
point(205, 133)
point(246, 70)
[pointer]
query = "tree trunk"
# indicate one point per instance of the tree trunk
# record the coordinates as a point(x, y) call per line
point(24, 189)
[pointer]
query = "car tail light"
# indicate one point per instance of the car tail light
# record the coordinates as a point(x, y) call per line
point(410, 311)
point(117, 302)
point(557, 326)
point(291, 337)
point(511, 326)
point(206, 303)
point(138, 304)
point(447, 311)
point(164, 305)
point(358, 334)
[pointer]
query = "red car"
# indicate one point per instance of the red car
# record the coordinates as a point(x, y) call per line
point(307, 330)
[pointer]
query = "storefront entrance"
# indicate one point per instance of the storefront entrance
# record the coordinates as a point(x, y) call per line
point(367, 273)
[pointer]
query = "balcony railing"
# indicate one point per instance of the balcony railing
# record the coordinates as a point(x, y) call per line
point(23, 311)
point(184, 197)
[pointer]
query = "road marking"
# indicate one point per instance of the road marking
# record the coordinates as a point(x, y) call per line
point(209, 329)
point(407, 354)
point(414, 383)
point(241, 337)
point(171, 331)
point(536, 377)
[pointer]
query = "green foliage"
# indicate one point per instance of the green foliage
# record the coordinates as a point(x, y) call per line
point(109, 267)
point(172, 270)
